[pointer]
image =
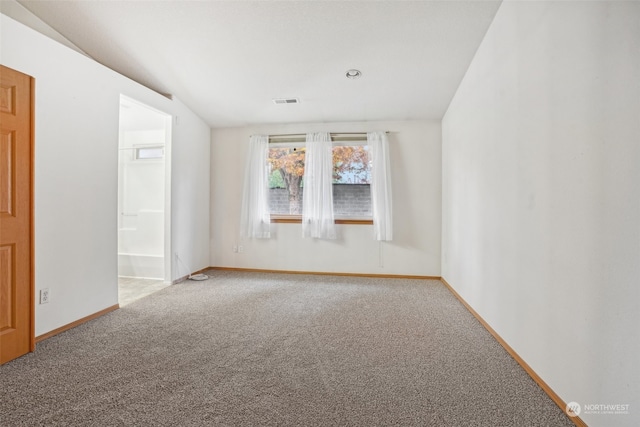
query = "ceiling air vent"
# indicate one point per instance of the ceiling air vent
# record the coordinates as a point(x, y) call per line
point(286, 101)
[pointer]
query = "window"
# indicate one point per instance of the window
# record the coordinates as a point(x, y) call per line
point(368, 165)
point(149, 153)
point(351, 180)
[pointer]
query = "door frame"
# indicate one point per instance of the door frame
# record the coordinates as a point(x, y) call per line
point(32, 214)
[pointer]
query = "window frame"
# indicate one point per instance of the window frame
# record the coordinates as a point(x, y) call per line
point(297, 219)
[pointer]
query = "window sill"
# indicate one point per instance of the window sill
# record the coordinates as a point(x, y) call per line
point(297, 219)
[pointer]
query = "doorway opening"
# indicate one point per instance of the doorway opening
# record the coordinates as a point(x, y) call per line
point(144, 177)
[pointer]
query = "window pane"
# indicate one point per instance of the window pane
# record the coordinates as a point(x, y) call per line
point(149, 153)
point(285, 180)
point(351, 181)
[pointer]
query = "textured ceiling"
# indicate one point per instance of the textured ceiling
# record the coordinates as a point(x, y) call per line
point(227, 59)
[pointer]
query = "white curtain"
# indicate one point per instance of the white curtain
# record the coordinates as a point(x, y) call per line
point(317, 199)
point(381, 200)
point(255, 217)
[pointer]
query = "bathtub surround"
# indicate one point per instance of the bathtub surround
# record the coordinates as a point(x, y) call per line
point(142, 266)
point(143, 154)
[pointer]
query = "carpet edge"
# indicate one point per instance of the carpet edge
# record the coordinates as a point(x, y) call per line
point(75, 323)
point(541, 383)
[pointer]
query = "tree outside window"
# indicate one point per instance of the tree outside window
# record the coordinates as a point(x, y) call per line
point(351, 167)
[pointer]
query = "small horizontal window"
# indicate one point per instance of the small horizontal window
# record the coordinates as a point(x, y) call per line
point(149, 153)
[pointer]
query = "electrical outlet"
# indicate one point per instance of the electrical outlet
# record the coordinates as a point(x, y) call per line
point(241, 249)
point(235, 248)
point(44, 296)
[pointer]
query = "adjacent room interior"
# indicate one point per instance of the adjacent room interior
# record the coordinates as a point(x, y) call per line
point(512, 131)
point(144, 200)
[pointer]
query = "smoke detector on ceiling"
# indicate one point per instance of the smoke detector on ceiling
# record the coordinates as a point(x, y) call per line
point(286, 101)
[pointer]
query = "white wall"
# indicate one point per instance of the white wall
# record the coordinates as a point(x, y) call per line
point(76, 167)
point(190, 178)
point(415, 156)
point(541, 195)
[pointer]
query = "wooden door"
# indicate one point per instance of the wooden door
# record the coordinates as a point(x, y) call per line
point(16, 227)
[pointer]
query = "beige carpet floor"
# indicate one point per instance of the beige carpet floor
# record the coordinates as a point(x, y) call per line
point(249, 349)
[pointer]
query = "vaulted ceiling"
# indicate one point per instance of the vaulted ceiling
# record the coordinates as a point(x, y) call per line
point(227, 60)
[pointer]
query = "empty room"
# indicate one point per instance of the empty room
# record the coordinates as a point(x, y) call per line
point(331, 213)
